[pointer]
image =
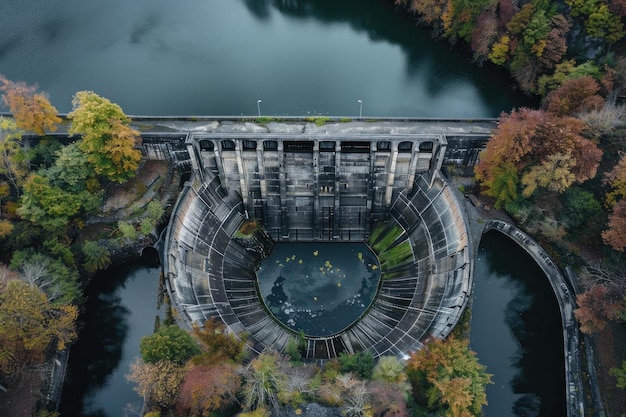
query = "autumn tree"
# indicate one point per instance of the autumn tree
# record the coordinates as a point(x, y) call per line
point(386, 400)
point(107, 138)
point(31, 326)
point(32, 110)
point(207, 389)
point(168, 343)
point(157, 383)
point(447, 377)
point(541, 149)
point(575, 96)
point(484, 35)
point(216, 344)
point(615, 234)
point(597, 306)
point(616, 179)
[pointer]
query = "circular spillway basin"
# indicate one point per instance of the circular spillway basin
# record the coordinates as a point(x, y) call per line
point(319, 288)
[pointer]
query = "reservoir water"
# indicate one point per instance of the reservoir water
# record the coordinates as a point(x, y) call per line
point(219, 57)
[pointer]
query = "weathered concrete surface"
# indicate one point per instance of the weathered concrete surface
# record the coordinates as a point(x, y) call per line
point(321, 182)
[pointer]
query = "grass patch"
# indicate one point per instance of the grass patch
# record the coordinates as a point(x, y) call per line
point(319, 121)
point(266, 119)
point(386, 239)
point(396, 255)
point(247, 229)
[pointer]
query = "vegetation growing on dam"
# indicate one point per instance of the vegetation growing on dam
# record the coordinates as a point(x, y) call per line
point(392, 248)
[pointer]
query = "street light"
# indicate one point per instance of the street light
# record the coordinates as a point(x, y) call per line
point(360, 107)
point(258, 106)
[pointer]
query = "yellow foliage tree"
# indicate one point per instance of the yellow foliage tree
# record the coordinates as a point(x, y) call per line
point(32, 111)
point(107, 138)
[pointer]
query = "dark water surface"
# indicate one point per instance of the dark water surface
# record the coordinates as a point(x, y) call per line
point(319, 288)
point(517, 333)
point(121, 309)
point(218, 57)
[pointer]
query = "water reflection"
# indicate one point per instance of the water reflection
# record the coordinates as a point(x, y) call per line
point(121, 309)
point(516, 332)
point(302, 57)
point(319, 288)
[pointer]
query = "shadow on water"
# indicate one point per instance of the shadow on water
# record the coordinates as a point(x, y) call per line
point(104, 335)
point(513, 293)
point(382, 21)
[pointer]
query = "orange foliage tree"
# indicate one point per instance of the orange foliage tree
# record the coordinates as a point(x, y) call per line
point(538, 148)
point(447, 377)
point(596, 307)
point(206, 390)
point(575, 96)
point(32, 111)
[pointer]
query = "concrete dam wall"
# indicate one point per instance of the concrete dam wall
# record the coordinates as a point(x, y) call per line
point(330, 182)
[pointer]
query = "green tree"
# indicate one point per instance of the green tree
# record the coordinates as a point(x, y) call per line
point(58, 281)
point(97, 257)
point(389, 369)
point(579, 206)
point(107, 138)
point(359, 363)
point(620, 375)
point(448, 379)
point(168, 343)
point(51, 206)
point(13, 163)
point(71, 171)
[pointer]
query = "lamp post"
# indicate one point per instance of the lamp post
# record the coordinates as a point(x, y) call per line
point(258, 106)
point(360, 107)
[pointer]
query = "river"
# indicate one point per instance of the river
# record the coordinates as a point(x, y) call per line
point(220, 57)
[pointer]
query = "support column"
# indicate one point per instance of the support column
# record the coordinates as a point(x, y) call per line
point(334, 222)
point(243, 183)
point(316, 190)
point(391, 174)
point(284, 215)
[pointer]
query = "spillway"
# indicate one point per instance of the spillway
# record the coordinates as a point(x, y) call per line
point(297, 180)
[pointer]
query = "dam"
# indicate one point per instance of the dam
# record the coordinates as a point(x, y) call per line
point(257, 183)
